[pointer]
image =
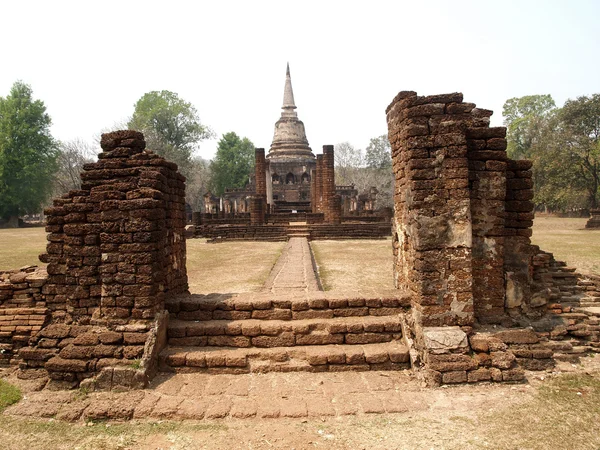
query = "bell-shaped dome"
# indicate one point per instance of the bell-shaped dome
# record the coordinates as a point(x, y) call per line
point(289, 140)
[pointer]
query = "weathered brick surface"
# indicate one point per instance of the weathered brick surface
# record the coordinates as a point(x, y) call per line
point(116, 251)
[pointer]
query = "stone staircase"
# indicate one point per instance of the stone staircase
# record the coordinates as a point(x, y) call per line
point(298, 229)
point(265, 332)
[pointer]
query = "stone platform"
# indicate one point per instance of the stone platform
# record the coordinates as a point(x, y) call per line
point(290, 326)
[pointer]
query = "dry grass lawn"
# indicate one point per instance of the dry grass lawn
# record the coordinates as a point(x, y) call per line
point(349, 265)
point(21, 247)
point(569, 240)
point(230, 266)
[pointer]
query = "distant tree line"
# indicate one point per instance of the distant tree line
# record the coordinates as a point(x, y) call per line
point(371, 168)
point(564, 145)
point(34, 167)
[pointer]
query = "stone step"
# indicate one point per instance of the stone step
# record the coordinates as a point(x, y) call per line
point(285, 333)
point(320, 358)
point(287, 306)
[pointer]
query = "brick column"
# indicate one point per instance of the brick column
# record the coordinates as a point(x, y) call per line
point(319, 184)
point(336, 210)
point(328, 183)
point(487, 175)
point(260, 170)
point(432, 224)
point(257, 211)
point(118, 244)
point(518, 249)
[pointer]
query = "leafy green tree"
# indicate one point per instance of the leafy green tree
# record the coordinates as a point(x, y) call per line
point(233, 163)
point(567, 161)
point(379, 153)
point(524, 118)
point(171, 127)
point(27, 154)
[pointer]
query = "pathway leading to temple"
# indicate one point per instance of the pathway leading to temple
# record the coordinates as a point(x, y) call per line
point(294, 270)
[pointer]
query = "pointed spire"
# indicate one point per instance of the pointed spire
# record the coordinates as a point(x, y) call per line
point(288, 93)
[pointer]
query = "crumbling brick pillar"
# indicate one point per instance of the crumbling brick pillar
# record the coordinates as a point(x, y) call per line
point(260, 170)
point(518, 249)
point(487, 176)
point(319, 184)
point(432, 223)
point(117, 246)
point(330, 208)
point(257, 210)
point(336, 210)
point(313, 190)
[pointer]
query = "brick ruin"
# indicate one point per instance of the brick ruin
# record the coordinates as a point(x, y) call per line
point(475, 301)
point(594, 220)
point(325, 219)
point(116, 252)
point(297, 191)
point(462, 227)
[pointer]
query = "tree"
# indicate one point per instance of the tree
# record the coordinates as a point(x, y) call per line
point(171, 127)
point(379, 153)
point(524, 118)
point(72, 155)
point(347, 160)
point(27, 153)
point(233, 163)
point(570, 158)
point(198, 183)
point(350, 169)
point(564, 145)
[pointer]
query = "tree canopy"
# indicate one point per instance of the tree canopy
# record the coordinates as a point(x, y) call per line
point(171, 126)
point(525, 118)
point(364, 170)
point(379, 153)
point(27, 153)
point(232, 164)
point(564, 144)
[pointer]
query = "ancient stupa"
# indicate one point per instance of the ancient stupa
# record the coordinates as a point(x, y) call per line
point(290, 159)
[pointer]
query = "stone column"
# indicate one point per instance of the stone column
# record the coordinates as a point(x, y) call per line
point(269, 182)
point(313, 190)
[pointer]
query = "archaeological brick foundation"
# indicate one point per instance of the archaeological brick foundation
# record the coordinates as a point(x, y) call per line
point(474, 300)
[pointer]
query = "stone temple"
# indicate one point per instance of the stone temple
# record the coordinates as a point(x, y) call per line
point(290, 159)
point(292, 185)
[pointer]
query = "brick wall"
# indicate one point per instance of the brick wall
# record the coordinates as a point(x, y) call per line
point(116, 251)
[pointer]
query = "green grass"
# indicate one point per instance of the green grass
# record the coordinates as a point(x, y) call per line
point(9, 394)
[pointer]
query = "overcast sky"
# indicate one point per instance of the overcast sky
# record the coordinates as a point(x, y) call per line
point(90, 61)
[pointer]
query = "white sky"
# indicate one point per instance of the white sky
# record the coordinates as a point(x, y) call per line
point(90, 61)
